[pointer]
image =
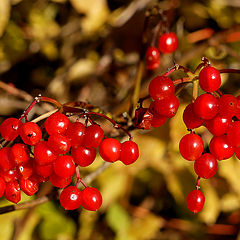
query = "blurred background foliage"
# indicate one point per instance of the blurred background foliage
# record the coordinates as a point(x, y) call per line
point(88, 50)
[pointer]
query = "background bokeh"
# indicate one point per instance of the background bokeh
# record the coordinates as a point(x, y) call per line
point(89, 50)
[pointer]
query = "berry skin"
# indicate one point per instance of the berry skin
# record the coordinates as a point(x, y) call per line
point(166, 107)
point(152, 58)
point(10, 175)
point(227, 105)
point(233, 134)
point(110, 150)
point(44, 154)
point(59, 143)
point(9, 128)
point(2, 186)
point(91, 199)
point(158, 120)
point(26, 170)
point(190, 119)
point(237, 152)
point(71, 198)
point(93, 136)
point(13, 192)
point(58, 181)
point(220, 147)
point(44, 170)
point(206, 106)
point(161, 87)
point(57, 123)
point(195, 201)
point(28, 186)
point(129, 152)
point(191, 146)
point(75, 132)
point(30, 133)
point(83, 156)
point(206, 166)
point(209, 79)
point(64, 166)
point(19, 153)
point(6, 162)
point(168, 42)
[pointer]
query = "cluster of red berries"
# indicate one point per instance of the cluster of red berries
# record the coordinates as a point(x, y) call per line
point(167, 43)
point(164, 105)
point(32, 158)
point(220, 114)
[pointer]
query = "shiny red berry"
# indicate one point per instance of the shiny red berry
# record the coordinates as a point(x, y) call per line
point(6, 162)
point(44, 170)
point(233, 134)
point(71, 198)
point(30, 133)
point(57, 123)
point(10, 175)
point(83, 156)
point(91, 199)
point(158, 120)
point(152, 58)
point(20, 153)
point(2, 186)
point(190, 119)
point(59, 143)
point(58, 181)
point(28, 186)
point(93, 136)
point(26, 170)
point(9, 129)
point(168, 42)
point(209, 79)
point(75, 132)
point(227, 105)
point(64, 166)
point(13, 192)
point(110, 149)
point(195, 201)
point(129, 152)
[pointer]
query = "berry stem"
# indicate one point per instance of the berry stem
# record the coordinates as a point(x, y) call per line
point(50, 100)
point(195, 90)
point(28, 109)
point(198, 183)
point(182, 80)
point(141, 100)
point(170, 70)
point(79, 180)
point(229, 70)
point(43, 116)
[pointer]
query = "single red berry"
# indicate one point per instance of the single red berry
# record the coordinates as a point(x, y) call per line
point(152, 58)
point(237, 114)
point(71, 198)
point(64, 166)
point(161, 87)
point(2, 186)
point(195, 201)
point(59, 143)
point(129, 152)
point(75, 132)
point(13, 192)
point(91, 199)
point(57, 123)
point(233, 134)
point(28, 186)
point(206, 166)
point(39, 179)
point(20, 153)
point(10, 175)
point(220, 147)
point(190, 119)
point(44, 154)
point(209, 79)
point(110, 149)
point(6, 161)
point(168, 42)
point(9, 128)
point(93, 136)
point(191, 146)
point(166, 107)
point(58, 181)
point(206, 106)
point(218, 125)
point(237, 152)
point(26, 170)
point(44, 170)
point(227, 105)
point(83, 156)
point(30, 133)
point(158, 120)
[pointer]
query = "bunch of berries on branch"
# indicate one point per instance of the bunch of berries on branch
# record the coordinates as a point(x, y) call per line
point(32, 154)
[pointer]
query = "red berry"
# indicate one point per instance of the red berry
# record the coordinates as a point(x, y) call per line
point(30, 133)
point(44, 170)
point(191, 146)
point(64, 166)
point(195, 201)
point(190, 119)
point(9, 128)
point(168, 42)
point(220, 147)
point(237, 114)
point(59, 143)
point(28, 186)
point(91, 199)
point(2, 186)
point(152, 58)
point(129, 152)
point(71, 198)
point(206, 106)
point(161, 87)
point(26, 170)
point(58, 181)
point(75, 132)
point(237, 152)
point(57, 123)
point(93, 136)
point(20, 153)
point(110, 149)
point(158, 120)
point(206, 166)
point(233, 134)
point(44, 154)
point(10, 175)
point(209, 79)
point(83, 156)
point(227, 105)
point(13, 192)
point(6, 162)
